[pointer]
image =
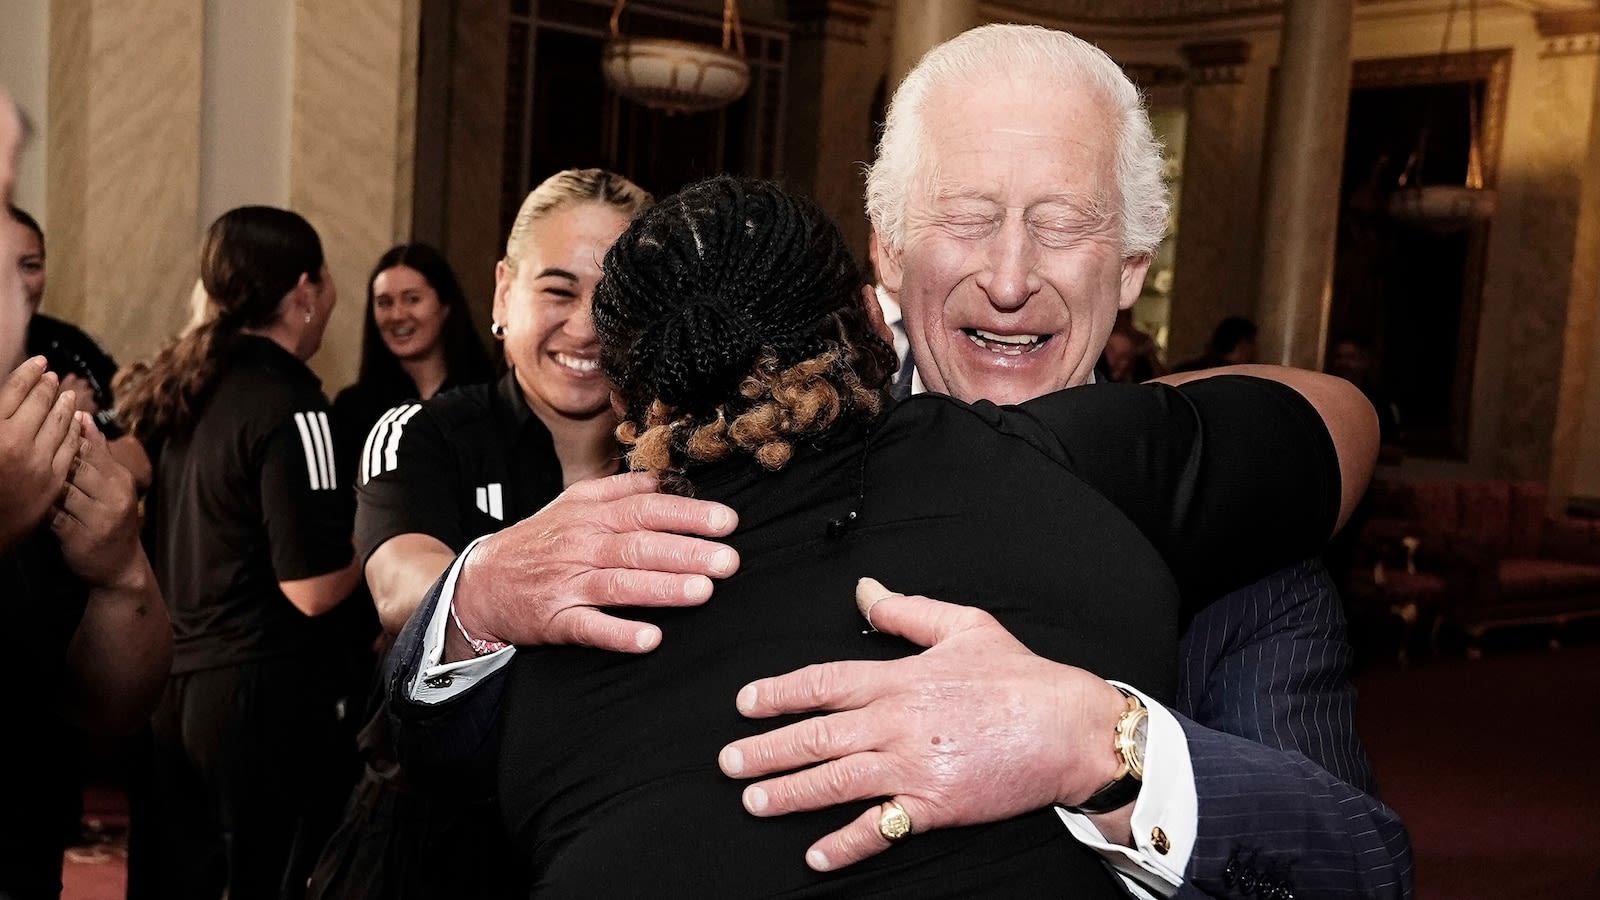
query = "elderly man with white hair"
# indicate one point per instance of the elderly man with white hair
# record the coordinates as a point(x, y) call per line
point(1016, 202)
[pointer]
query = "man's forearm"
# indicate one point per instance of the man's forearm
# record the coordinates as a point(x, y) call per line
point(121, 654)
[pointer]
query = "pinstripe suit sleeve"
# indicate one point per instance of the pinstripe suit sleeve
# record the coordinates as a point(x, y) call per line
point(1284, 786)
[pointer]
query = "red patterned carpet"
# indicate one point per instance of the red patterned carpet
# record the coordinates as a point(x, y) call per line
point(1491, 763)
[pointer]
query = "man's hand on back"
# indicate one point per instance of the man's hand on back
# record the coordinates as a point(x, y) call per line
point(974, 729)
point(610, 542)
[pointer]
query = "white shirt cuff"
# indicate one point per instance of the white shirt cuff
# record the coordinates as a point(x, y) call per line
point(437, 682)
point(1167, 801)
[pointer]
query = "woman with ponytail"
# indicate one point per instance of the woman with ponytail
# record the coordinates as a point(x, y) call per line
point(751, 368)
point(249, 529)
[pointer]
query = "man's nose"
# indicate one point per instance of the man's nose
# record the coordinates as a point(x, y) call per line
point(1011, 276)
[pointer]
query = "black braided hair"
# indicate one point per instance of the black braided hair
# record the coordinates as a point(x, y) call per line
point(731, 277)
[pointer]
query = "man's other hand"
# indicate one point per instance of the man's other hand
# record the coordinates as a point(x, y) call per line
point(974, 729)
point(610, 542)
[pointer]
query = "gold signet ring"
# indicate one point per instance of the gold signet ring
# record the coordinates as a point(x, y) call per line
point(893, 822)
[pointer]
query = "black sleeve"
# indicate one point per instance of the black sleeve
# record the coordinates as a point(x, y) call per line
point(407, 483)
point(1231, 477)
point(306, 513)
point(352, 416)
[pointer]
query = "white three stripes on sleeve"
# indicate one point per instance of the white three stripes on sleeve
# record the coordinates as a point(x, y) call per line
point(317, 441)
point(381, 453)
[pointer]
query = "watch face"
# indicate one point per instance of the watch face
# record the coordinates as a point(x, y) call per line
point(1133, 750)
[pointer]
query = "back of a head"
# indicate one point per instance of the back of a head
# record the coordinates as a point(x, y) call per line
point(735, 301)
point(252, 257)
point(1034, 55)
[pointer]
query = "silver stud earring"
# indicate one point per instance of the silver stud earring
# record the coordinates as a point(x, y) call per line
point(498, 330)
point(308, 318)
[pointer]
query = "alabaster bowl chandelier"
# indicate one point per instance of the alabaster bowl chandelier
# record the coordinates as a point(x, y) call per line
point(677, 76)
point(1447, 208)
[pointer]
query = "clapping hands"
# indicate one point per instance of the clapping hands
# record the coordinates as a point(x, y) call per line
point(96, 520)
point(38, 444)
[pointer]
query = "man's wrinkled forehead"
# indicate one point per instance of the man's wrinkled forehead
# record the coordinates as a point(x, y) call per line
point(979, 141)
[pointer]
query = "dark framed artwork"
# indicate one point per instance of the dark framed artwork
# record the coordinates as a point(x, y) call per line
point(1413, 295)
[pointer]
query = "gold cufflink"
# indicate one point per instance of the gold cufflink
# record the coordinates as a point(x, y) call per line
point(1158, 839)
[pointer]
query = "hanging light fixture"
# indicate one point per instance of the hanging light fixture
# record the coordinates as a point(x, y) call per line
point(1447, 208)
point(677, 76)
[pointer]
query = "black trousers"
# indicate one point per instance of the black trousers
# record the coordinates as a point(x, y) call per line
point(242, 766)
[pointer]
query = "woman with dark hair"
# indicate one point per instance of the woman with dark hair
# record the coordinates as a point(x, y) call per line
point(249, 533)
point(749, 368)
point(418, 340)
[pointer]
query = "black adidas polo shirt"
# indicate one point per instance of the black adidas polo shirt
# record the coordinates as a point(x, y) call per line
point(466, 463)
point(249, 497)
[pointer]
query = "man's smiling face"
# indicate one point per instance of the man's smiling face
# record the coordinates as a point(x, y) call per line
point(1012, 269)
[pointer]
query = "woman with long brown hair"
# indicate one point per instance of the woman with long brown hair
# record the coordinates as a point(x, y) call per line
point(249, 533)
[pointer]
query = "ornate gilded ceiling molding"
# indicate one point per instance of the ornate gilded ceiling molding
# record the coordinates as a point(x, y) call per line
point(1568, 32)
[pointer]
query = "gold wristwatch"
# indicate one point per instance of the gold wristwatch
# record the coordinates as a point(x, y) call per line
point(1132, 732)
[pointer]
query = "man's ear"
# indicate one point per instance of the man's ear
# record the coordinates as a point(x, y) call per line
point(1134, 268)
point(887, 262)
point(869, 301)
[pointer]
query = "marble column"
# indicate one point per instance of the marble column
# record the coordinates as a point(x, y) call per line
point(921, 25)
point(833, 71)
point(1569, 73)
point(352, 140)
point(1300, 217)
point(1217, 212)
point(123, 167)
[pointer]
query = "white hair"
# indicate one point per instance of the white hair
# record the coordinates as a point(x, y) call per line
point(981, 54)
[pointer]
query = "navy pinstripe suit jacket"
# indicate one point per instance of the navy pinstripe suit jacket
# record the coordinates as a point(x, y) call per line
point(1283, 783)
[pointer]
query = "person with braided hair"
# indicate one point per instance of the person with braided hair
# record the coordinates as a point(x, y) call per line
point(248, 522)
point(752, 368)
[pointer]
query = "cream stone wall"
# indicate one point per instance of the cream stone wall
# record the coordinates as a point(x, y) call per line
point(352, 137)
point(248, 60)
point(123, 188)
